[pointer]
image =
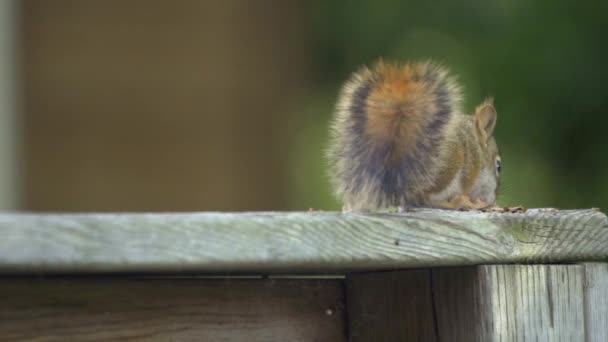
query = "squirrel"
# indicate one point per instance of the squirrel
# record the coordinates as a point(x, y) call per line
point(399, 139)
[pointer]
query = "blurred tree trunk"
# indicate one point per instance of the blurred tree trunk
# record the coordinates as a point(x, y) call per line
point(9, 123)
point(158, 105)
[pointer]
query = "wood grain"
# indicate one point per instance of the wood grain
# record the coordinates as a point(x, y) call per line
point(596, 302)
point(294, 242)
point(171, 310)
point(390, 306)
point(460, 299)
point(510, 303)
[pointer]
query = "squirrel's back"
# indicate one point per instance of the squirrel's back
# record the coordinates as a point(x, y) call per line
point(388, 130)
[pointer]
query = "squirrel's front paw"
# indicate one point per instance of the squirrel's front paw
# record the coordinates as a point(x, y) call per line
point(479, 204)
point(462, 203)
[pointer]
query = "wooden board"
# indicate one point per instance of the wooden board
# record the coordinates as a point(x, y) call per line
point(171, 310)
point(390, 306)
point(510, 303)
point(596, 302)
point(294, 242)
point(480, 303)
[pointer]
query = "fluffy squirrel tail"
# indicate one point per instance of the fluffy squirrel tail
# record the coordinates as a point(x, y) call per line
point(387, 129)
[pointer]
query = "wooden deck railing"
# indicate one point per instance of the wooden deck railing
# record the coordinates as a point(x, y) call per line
point(310, 276)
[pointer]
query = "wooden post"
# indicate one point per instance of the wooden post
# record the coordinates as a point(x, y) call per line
point(510, 303)
point(481, 303)
point(596, 302)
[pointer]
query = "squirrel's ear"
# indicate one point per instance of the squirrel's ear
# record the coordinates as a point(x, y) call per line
point(485, 119)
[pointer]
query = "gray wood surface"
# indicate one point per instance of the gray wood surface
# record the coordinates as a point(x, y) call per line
point(294, 242)
point(510, 303)
point(596, 302)
point(93, 309)
point(480, 303)
point(390, 306)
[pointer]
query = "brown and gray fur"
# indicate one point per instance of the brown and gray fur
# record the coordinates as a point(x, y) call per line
point(400, 139)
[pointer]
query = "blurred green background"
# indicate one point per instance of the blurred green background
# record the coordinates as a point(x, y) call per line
point(544, 61)
point(191, 105)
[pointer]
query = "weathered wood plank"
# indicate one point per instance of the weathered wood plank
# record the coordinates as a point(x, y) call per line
point(510, 303)
point(596, 302)
point(460, 298)
point(294, 242)
point(390, 306)
point(171, 310)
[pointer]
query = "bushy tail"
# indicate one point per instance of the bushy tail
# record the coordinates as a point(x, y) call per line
point(387, 127)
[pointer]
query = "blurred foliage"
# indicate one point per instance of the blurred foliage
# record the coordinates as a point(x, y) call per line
point(542, 60)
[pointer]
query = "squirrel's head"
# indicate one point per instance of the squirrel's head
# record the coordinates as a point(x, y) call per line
point(491, 164)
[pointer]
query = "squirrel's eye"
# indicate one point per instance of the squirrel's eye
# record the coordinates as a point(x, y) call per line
point(498, 165)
